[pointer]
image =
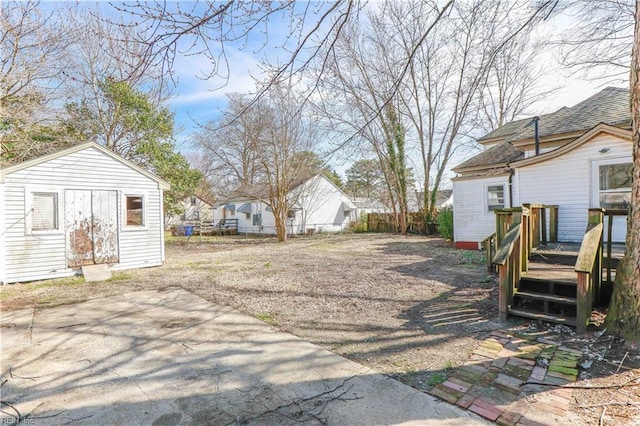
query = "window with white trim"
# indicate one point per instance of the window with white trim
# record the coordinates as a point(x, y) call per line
point(135, 210)
point(495, 197)
point(44, 211)
point(615, 186)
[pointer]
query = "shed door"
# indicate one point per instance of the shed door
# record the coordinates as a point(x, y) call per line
point(91, 227)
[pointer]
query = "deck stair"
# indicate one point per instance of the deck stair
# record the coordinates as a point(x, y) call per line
point(547, 292)
point(548, 281)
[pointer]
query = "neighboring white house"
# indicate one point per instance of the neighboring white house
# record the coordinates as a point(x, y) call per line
point(82, 205)
point(584, 160)
point(318, 205)
point(194, 209)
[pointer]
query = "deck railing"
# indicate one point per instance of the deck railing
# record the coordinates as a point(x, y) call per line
point(610, 214)
point(589, 268)
point(508, 258)
point(518, 231)
point(489, 245)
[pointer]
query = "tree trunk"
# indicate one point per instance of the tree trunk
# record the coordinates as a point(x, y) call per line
point(281, 228)
point(623, 318)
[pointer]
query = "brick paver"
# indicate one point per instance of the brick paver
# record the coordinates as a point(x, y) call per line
point(498, 382)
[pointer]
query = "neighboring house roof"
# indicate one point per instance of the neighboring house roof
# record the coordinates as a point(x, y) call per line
point(163, 184)
point(609, 106)
point(261, 191)
point(201, 199)
point(368, 203)
point(414, 199)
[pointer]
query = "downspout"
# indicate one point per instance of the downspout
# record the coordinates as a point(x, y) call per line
point(536, 138)
point(510, 187)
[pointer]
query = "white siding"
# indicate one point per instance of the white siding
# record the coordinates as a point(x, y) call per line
point(566, 182)
point(40, 255)
point(321, 205)
point(472, 221)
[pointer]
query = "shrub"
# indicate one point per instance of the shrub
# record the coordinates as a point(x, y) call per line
point(360, 225)
point(445, 224)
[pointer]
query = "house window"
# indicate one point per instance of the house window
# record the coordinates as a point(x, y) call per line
point(135, 210)
point(193, 200)
point(257, 219)
point(615, 186)
point(44, 211)
point(291, 214)
point(495, 197)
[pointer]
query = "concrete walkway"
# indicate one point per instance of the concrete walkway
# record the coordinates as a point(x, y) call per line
point(170, 357)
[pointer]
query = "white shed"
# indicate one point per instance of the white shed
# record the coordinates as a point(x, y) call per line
point(80, 206)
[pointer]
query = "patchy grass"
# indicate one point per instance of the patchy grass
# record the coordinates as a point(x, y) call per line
point(7, 293)
point(473, 257)
point(61, 282)
point(120, 276)
point(267, 317)
point(437, 379)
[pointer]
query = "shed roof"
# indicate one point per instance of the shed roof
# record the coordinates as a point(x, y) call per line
point(163, 184)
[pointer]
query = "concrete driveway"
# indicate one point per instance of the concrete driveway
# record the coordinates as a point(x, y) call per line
point(169, 357)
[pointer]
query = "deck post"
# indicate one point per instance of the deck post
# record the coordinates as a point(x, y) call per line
point(584, 307)
point(589, 268)
point(596, 216)
point(553, 224)
point(543, 225)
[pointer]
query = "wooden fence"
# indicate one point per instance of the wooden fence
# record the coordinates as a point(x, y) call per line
point(388, 222)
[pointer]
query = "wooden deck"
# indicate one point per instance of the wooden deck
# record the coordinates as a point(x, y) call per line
point(572, 249)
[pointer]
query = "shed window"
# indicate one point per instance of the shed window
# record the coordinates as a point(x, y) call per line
point(615, 186)
point(45, 211)
point(193, 200)
point(495, 197)
point(135, 210)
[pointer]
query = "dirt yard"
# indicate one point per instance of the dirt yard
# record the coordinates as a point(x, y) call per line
point(409, 307)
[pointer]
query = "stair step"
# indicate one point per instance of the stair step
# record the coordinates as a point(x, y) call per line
point(543, 317)
point(548, 297)
point(551, 273)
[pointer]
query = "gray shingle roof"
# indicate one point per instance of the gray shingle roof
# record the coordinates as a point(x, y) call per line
point(499, 154)
point(609, 106)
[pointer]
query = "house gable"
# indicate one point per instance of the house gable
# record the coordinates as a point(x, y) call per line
point(600, 129)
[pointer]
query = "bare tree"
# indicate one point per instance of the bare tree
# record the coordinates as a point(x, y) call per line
point(286, 135)
point(210, 28)
point(513, 83)
point(31, 46)
point(599, 41)
point(470, 67)
point(228, 145)
point(262, 151)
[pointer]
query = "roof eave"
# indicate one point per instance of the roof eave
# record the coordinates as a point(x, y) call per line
point(593, 132)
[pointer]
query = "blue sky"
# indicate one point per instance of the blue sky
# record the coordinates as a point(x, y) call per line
point(197, 100)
